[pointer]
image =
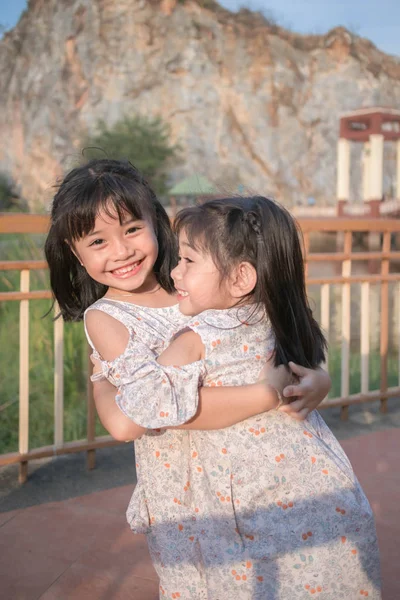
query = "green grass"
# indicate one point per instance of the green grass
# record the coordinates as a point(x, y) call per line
point(335, 358)
point(41, 360)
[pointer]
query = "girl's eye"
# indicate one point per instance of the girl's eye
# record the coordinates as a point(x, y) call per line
point(133, 229)
point(96, 242)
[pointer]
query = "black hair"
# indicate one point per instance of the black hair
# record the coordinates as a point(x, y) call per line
point(260, 231)
point(100, 184)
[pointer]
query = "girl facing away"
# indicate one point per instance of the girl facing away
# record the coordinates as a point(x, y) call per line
point(268, 508)
point(110, 251)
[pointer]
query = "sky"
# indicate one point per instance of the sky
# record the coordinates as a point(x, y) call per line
point(377, 20)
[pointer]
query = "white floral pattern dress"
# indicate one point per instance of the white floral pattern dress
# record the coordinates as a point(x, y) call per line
point(268, 509)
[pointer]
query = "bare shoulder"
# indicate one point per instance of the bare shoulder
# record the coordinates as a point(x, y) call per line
point(186, 348)
point(109, 336)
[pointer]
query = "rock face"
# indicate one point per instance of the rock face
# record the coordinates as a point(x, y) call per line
point(250, 103)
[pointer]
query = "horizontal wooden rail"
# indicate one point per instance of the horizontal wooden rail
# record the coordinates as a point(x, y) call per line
point(353, 279)
point(20, 265)
point(68, 448)
point(24, 223)
point(341, 256)
point(33, 223)
point(335, 225)
point(35, 295)
point(370, 396)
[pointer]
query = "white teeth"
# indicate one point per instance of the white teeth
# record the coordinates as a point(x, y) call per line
point(124, 270)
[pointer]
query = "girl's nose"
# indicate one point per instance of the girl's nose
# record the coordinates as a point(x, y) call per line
point(175, 273)
point(123, 249)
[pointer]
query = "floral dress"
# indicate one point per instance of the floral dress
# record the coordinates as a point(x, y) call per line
point(268, 509)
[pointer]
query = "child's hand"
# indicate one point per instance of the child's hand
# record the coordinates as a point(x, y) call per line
point(313, 386)
point(277, 377)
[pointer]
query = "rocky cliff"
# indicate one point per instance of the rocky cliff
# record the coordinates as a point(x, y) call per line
point(249, 102)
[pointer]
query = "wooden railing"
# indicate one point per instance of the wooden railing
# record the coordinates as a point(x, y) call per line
point(344, 258)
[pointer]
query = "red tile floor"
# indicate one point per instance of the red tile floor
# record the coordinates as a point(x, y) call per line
point(82, 548)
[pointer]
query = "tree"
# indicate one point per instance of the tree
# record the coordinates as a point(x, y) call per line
point(9, 199)
point(143, 141)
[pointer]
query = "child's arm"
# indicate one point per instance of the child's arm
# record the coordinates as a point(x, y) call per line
point(213, 408)
point(121, 427)
point(110, 338)
point(217, 408)
point(223, 406)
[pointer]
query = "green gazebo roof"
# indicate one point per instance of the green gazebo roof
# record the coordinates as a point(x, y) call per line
point(196, 185)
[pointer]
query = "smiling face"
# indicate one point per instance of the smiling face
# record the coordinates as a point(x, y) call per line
point(120, 255)
point(198, 281)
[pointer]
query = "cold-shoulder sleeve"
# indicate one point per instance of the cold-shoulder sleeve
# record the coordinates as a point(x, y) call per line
point(154, 395)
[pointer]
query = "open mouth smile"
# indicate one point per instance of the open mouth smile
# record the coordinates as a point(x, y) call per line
point(127, 270)
point(182, 293)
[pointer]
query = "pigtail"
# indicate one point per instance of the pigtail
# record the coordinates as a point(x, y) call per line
point(282, 290)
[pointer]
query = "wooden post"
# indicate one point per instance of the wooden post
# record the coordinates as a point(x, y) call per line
point(346, 316)
point(384, 341)
point(364, 341)
point(325, 315)
point(58, 380)
point(91, 416)
point(24, 376)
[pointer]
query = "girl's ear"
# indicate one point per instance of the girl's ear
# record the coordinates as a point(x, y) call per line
point(244, 280)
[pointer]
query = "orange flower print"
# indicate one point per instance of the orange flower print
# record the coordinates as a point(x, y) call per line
point(284, 505)
point(257, 432)
point(313, 590)
point(242, 574)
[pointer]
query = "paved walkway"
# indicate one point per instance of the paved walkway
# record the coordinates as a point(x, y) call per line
point(63, 546)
